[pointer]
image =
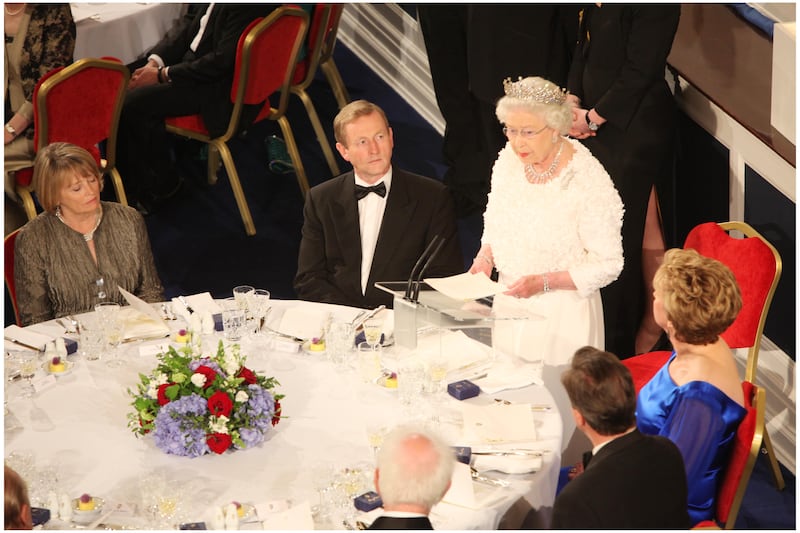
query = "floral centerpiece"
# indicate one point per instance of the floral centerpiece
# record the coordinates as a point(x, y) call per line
point(193, 404)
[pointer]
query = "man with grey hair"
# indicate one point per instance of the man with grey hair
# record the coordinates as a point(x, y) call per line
point(413, 474)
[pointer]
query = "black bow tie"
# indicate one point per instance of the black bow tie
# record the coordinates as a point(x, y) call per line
point(379, 189)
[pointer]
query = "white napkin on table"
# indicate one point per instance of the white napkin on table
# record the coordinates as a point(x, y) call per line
point(137, 325)
point(506, 375)
point(200, 303)
point(497, 422)
point(26, 337)
point(297, 517)
point(304, 322)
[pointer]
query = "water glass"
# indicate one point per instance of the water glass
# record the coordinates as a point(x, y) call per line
point(437, 372)
point(241, 294)
point(410, 381)
point(369, 361)
point(339, 342)
point(108, 314)
point(233, 320)
point(92, 338)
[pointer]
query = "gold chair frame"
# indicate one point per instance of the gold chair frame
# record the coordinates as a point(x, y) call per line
point(218, 147)
point(752, 353)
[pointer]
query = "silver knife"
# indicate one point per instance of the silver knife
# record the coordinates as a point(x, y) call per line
point(368, 316)
point(188, 307)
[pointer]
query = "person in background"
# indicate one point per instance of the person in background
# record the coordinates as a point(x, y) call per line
point(471, 48)
point(552, 231)
point(625, 114)
point(630, 480)
point(39, 38)
point(696, 399)
point(189, 71)
point(18, 505)
point(60, 256)
point(371, 224)
point(413, 474)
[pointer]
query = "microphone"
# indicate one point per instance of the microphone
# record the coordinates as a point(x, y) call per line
point(418, 265)
point(433, 255)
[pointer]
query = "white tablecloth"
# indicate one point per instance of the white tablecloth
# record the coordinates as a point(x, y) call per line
point(120, 30)
point(79, 426)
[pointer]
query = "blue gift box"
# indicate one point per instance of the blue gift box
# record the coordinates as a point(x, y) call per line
point(71, 344)
point(463, 454)
point(218, 322)
point(461, 390)
point(368, 501)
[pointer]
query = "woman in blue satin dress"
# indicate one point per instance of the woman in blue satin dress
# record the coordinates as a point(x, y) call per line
point(696, 398)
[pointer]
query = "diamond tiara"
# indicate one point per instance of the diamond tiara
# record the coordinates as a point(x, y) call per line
point(547, 94)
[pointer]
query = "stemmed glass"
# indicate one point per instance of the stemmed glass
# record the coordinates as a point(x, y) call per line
point(259, 305)
point(28, 365)
point(322, 477)
point(241, 294)
point(373, 328)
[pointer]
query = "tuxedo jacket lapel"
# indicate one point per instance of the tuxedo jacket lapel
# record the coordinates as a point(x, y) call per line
point(347, 228)
point(396, 218)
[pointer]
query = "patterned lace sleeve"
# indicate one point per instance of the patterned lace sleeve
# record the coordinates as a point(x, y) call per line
point(600, 230)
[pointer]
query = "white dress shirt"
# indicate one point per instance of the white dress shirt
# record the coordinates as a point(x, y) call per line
point(370, 217)
point(195, 42)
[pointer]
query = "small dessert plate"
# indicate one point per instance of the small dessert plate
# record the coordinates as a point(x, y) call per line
point(383, 382)
point(86, 517)
point(248, 512)
point(67, 368)
point(306, 347)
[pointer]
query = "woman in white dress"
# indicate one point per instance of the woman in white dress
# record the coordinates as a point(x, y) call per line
point(552, 229)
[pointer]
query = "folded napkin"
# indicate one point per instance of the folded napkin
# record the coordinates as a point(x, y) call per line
point(506, 375)
point(26, 337)
point(304, 322)
point(137, 325)
point(200, 303)
point(510, 464)
point(497, 422)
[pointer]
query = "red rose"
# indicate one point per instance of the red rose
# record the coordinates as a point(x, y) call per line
point(220, 404)
point(208, 373)
point(161, 394)
point(276, 416)
point(218, 442)
point(248, 375)
point(141, 425)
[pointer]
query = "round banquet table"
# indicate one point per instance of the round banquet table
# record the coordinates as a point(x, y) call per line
point(121, 30)
point(77, 429)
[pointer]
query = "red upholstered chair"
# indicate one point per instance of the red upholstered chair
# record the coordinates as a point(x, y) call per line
point(8, 271)
point(744, 453)
point(757, 267)
point(319, 44)
point(79, 104)
point(265, 62)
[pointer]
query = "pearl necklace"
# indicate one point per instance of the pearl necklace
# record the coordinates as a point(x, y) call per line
point(543, 177)
point(17, 12)
point(86, 236)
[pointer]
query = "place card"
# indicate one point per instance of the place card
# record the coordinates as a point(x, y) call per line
point(297, 517)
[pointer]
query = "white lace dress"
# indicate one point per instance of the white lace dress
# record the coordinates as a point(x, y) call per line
point(573, 223)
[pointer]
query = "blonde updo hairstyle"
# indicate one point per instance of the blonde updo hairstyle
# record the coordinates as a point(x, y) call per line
point(55, 166)
point(700, 295)
point(535, 95)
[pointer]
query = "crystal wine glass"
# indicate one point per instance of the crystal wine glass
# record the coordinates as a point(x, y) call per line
point(373, 328)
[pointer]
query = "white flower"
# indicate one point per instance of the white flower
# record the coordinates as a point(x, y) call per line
point(242, 396)
point(218, 424)
point(159, 378)
point(198, 379)
point(152, 390)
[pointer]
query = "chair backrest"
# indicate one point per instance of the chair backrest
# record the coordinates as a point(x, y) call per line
point(744, 453)
point(81, 104)
point(757, 267)
point(265, 61)
point(320, 41)
point(8, 272)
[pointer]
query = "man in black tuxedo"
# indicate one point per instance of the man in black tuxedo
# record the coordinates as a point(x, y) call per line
point(413, 474)
point(371, 224)
point(630, 480)
point(189, 71)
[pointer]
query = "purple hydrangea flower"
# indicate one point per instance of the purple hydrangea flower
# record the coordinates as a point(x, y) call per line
point(255, 416)
point(205, 361)
point(180, 426)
